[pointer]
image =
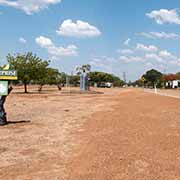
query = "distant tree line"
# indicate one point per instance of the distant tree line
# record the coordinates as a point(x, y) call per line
point(155, 78)
point(34, 70)
point(99, 77)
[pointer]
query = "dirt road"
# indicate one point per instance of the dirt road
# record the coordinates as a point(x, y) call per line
point(123, 134)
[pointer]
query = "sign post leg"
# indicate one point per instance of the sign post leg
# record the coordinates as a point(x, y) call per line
point(6, 75)
point(3, 119)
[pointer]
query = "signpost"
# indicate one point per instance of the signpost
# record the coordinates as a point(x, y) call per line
point(6, 75)
point(3, 88)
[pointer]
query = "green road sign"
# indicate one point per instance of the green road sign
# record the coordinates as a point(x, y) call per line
point(3, 88)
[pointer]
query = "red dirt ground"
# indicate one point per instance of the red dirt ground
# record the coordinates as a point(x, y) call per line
point(124, 134)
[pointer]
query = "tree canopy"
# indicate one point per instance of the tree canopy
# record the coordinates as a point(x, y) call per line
point(29, 67)
point(84, 68)
point(152, 77)
point(99, 77)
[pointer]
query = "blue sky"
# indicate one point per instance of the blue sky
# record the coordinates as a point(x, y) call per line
point(113, 36)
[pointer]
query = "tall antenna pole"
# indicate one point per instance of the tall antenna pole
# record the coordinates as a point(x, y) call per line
point(124, 77)
point(164, 70)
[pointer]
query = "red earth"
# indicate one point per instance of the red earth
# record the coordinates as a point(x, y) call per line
point(123, 134)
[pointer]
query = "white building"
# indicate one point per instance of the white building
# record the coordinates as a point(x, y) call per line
point(173, 84)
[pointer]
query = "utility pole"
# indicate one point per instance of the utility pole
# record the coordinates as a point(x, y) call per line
point(124, 77)
point(164, 71)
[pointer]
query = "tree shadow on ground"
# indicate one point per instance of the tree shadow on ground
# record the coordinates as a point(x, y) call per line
point(17, 122)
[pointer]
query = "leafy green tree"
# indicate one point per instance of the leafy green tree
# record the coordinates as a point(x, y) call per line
point(99, 77)
point(153, 77)
point(84, 68)
point(74, 80)
point(117, 82)
point(178, 75)
point(51, 77)
point(30, 67)
point(63, 78)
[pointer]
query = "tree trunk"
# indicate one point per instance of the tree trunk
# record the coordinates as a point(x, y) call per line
point(59, 87)
point(40, 88)
point(25, 88)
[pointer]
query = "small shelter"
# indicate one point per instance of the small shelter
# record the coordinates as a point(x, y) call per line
point(173, 84)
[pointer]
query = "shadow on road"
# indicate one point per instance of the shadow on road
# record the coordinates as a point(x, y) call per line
point(17, 122)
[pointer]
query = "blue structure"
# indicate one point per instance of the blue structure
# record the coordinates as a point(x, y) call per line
point(84, 85)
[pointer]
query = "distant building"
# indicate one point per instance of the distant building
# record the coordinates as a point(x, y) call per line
point(173, 84)
point(105, 85)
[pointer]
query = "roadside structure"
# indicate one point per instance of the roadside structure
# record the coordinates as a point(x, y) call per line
point(173, 84)
point(84, 71)
point(6, 75)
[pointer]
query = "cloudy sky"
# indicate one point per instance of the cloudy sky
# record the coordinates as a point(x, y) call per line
point(115, 36)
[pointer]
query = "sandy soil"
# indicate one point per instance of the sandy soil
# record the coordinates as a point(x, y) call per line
point(123, 134)
point(166, 92)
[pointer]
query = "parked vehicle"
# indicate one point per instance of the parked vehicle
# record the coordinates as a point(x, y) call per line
point(105, 85)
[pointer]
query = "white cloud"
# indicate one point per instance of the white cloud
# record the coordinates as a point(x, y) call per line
point(126, 43)
point(147, 35)
point(150, 48)
point(44, 42)
point(163, 57)
point(153, 57)
point(55, 51)
point(131, 59)
point(163, 16)
point(175, 62)
point(103, 63)
point(125, 51)
point(78, 29)
point(160, 35)
point(22, 40)
point(149, 54)
point(149, 64)
point(165, 54)
point(29, 6)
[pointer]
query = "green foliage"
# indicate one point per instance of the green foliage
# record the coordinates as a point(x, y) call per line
point(74, 80)
point(83, 69)
point(153, 77)
point(63, 78)
point(178, 75)
point(30, 67)
point(99, 77)
point(51, 77)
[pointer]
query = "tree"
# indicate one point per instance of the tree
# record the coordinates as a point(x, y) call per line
point(29, 67)
point(117, 82)
point(99, 77)
point(74, 80)
point(50, 77)
point(63, 78)
point(83, 69)
point(153, 77)
point(178, 75)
